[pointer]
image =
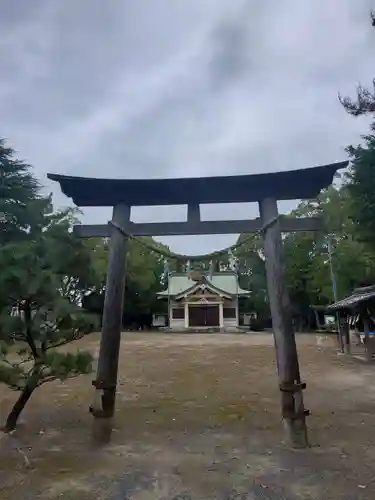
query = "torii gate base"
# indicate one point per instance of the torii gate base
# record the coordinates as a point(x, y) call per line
point(264, 188)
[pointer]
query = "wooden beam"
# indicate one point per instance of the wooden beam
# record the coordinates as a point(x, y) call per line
point(303, 183)
point(293, 412)
point(287, 225)
point(106, 376)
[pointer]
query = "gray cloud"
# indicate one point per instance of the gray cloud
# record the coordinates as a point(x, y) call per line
point(176, 88)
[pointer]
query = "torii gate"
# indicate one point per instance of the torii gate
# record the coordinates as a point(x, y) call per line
point(266, 189)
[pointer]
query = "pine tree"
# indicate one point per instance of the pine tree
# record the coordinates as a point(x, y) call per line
point(361, 187)
point(18, 187)
point(45, 272)
point(361, 178)
point(364, 103)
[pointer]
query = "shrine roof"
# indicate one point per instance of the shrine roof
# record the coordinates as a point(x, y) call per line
point(285, 185)
point(227, 282)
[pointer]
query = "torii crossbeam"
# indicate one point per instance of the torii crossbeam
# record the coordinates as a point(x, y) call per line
point(266, 189)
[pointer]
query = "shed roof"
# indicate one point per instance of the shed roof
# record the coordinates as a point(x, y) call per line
point(358, 297)
point(286, 185)
point(225, 281)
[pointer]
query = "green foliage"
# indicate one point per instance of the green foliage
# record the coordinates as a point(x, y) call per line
point(364, 102)
point(361, 179)
point(45, 273)
point(143, 278)
point(12, 375)
point(362, 188)
point(45, 314)
point(18, 188)
point(252, 274)
point(52, 365)
point(62, 365)
point(144, 271)
point(307, 256)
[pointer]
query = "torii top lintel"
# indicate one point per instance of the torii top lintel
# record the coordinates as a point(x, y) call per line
point(286, 185)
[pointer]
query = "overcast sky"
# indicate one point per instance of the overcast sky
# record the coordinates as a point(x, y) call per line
point(179, 88)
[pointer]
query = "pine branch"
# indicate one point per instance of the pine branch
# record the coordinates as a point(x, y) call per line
point(364, 103)
point(45, 380)
point(61, 343)
point(58, 344)
point(27, 360)
point(9, 363)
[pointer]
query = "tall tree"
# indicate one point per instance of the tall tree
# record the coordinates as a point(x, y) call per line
point(43, 278)
point(362, 173)
point(143, 277)
point(364, 102)
point(18, 187)
point(307, 254)
point(252, 273)
point(144, 272)
point(362, 187)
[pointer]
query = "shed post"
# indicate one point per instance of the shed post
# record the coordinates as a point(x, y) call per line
point(369, 339)
point(106, 376)
point(293, 412)
point(346, 332)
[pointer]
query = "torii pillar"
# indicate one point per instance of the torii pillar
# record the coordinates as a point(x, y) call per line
point(292, 407)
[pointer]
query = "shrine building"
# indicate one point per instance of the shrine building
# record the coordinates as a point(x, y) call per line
point(202, 301)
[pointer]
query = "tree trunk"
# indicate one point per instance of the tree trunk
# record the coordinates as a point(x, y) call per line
point(19, 405)
point(28, 323)
point(318, 327)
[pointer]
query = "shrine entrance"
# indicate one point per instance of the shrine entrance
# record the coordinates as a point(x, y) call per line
point(204, 316)
point(266, 189)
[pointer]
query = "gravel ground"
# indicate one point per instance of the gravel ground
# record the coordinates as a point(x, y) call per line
point(198, 418)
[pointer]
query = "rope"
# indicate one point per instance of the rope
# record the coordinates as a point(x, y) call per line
point(177, 256)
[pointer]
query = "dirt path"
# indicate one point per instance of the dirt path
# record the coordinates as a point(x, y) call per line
point(198, 418)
